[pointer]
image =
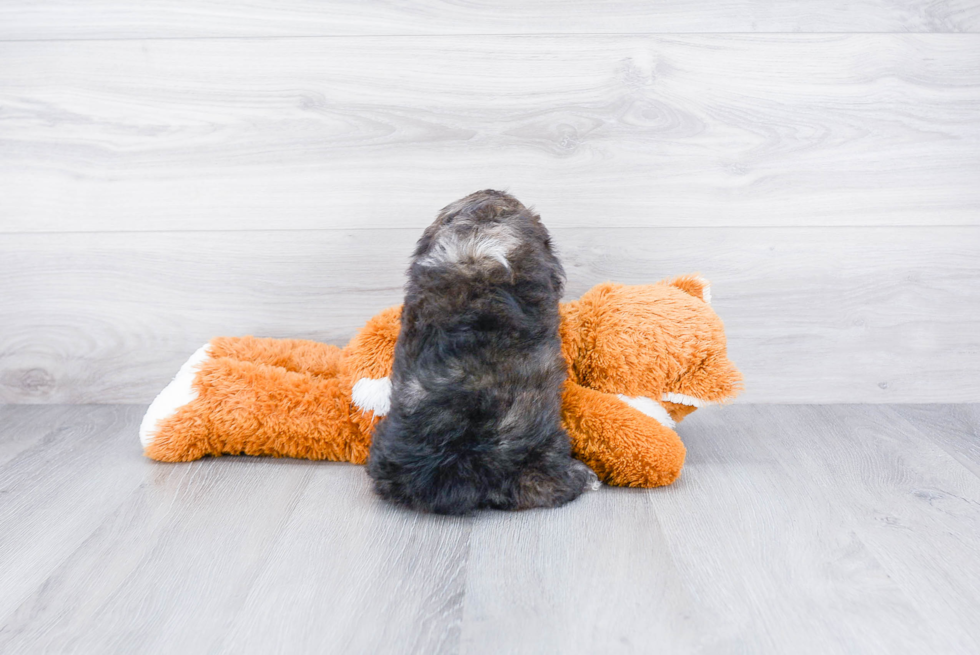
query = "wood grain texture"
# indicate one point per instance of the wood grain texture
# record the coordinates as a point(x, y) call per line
point(688, 130)
point(803, 529)
point(594, 576)
point(955, 429)
point(58, 490)
point(114, 19)
point(359, 576)
point(909, 484)
point(175, 565)
point(21, 428)
point(825, 508)
point(850, 315)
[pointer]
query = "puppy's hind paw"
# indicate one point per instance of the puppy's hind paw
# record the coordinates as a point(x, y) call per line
point(585, 476)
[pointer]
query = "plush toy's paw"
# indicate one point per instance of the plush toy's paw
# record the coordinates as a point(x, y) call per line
point(372, 395)
point(623, 444)
point(651, 408)
point(175, 395)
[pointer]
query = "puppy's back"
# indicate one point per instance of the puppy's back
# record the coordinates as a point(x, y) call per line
point(475, 414)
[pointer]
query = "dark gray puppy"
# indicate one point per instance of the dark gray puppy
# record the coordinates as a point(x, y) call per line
point(478, 373)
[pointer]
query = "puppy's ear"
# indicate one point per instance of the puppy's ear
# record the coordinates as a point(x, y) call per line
point(558, 279)
point(425, 241)
point(557, 271)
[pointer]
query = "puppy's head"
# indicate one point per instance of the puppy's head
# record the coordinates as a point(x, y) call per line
point(488, 231)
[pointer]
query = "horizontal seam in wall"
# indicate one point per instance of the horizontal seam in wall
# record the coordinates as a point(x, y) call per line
point(259, 37)
point(556, 228)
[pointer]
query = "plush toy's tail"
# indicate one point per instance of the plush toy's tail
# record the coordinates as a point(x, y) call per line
point(175, 395)
point(695, 285)
point(272, 397)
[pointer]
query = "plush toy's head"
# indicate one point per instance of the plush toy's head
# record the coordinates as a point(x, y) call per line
point(657, 341)
point(660, 341)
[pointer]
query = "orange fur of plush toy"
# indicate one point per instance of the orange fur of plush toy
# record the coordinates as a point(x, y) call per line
point(639, 358)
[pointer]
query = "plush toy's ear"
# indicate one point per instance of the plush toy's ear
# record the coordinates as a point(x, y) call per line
point(677, 411)
point(694, 285)
point(371, 352)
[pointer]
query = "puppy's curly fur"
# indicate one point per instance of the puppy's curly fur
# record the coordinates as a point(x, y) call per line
point(478, 373)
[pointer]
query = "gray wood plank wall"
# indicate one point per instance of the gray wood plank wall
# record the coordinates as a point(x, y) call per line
point(170, 172)
point(74, 19)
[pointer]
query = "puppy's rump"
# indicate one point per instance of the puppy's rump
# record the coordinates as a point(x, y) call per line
point(476, 385)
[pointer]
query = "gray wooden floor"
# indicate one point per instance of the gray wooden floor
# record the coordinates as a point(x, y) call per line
point(823, 529)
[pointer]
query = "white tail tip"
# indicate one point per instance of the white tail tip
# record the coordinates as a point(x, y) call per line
point(175, 395)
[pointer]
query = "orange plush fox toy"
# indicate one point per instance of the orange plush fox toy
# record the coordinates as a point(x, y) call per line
point(639, 359)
